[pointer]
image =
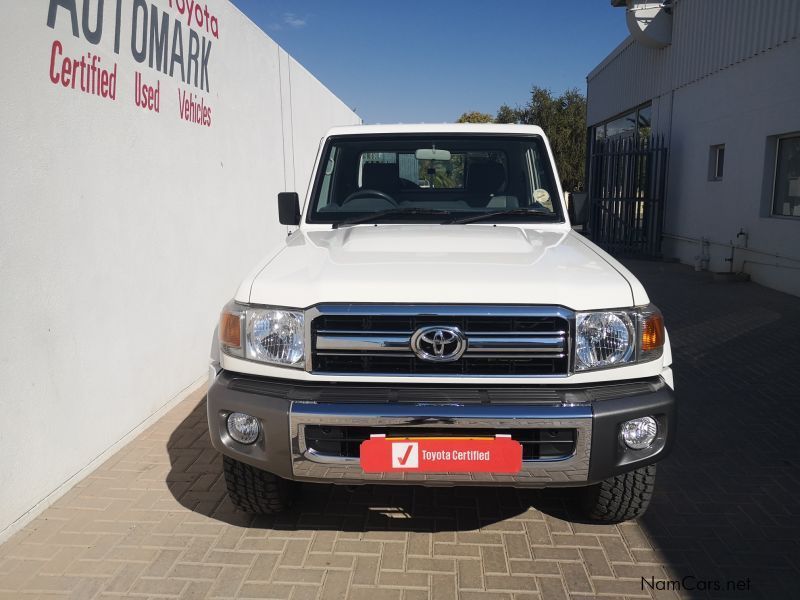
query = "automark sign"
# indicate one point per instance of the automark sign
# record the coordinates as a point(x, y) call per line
point(175, 42)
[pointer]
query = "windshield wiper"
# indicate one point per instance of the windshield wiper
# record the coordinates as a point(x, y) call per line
point(502, 213)
point(408, 210)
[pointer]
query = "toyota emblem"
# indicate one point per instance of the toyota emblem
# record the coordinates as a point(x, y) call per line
point(438, 344)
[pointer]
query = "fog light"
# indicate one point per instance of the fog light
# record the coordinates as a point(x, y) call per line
point(243, 428)
point(640, 433)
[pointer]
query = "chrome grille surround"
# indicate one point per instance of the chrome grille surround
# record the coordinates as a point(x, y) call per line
point(553, 343)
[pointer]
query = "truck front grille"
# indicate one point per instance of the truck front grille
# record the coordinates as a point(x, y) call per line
point(501, 340)
point(344, 441)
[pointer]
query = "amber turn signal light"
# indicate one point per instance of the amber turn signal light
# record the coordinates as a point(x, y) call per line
point(230, 330)
point(652, 332)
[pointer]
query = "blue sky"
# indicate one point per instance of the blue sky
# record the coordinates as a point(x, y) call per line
point(430, 61)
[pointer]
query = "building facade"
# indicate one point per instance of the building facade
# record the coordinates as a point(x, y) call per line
point(720, 81)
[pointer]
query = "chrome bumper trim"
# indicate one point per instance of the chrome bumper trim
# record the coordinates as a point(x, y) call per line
point(310, 465)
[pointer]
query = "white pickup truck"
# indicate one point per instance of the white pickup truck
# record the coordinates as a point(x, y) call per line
point(433, 319)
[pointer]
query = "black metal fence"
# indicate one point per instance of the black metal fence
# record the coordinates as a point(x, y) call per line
point(627, 180)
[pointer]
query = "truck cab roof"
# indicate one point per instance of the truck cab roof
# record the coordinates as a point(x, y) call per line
point(448, 128)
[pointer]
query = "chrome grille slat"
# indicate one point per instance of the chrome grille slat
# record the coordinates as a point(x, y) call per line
point(370, 342)
point(367, 341)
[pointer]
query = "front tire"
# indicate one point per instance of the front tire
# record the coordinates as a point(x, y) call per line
point(255, 491)
point(619, 498)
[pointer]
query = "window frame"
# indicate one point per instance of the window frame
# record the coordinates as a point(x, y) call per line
point(310, 208)
point(636, 110)
point(772, 212)
point(714, 173)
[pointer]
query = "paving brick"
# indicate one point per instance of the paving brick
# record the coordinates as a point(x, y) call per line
point(538, 533)
point(443, 587)
point(534, 567)
point(357, 547)
point(521, 583)
point(551, 553)
point(596, 562)
point(261, 590)
point(580, 541)
point(124, 578)
point(164, 561)
point(575, 578)
point(485, 595)
point(401, 579)
point(431, 565)
point(393, 556)
point(615, 549)
point(330, 560)
point(551, 588)
point(517, 546)
point(420, 544)
point(335, 585)
point(370, 593)
point(456, 550)
point(470, 574)
point(494, 560)
point(366, 571)
point(228, 582)
point(159, 586)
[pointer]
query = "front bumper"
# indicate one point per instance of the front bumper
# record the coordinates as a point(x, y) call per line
point(285, 408)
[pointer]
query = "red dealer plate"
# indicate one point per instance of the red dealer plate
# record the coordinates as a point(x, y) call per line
point(442, 455)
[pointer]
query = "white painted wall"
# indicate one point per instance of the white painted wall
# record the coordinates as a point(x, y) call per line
point(123, 231)
point(743, 108)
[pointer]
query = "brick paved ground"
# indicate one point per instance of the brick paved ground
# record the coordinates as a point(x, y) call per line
point(154, 520)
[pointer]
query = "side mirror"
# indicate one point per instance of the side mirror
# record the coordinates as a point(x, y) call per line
point(578, 208)
point(289, 208)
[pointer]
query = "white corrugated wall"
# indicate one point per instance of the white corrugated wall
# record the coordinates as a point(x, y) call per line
point(707, 36)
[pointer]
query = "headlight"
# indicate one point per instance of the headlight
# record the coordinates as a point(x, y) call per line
point(269, 335)
point(611, 338)
point(603, 339)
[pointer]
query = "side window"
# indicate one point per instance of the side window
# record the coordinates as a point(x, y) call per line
point(716, 162)
point(786, 189)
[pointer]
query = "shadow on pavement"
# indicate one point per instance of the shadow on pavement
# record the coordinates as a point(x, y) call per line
point(195, 480)
point(727, 504)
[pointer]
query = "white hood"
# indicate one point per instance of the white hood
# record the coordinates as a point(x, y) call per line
point(458, 264)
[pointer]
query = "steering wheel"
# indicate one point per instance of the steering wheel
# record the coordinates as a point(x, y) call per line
point(369, 194)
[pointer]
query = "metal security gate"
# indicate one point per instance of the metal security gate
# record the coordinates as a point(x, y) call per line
point(627, 180)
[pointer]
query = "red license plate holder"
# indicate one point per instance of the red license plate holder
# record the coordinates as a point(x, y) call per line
point(380, 454)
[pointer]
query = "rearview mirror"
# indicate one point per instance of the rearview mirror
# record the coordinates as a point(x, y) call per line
point(289, 208)
point(432, 154)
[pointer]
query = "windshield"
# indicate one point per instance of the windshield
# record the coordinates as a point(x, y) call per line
point(435, 179)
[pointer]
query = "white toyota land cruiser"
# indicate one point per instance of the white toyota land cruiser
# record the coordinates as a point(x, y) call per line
point(433, 319)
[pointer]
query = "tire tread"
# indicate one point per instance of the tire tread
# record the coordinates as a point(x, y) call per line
point(622, 497)
point(255, 491)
